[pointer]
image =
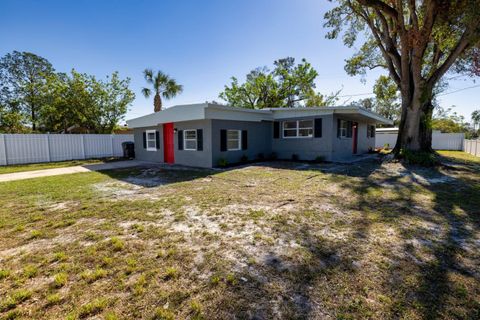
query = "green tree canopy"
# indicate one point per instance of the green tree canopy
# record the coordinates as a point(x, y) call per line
point(81, 100)
point(22, 75)
point(386, 101)
point(448, 121)
point(34, 97)
point(287, 85)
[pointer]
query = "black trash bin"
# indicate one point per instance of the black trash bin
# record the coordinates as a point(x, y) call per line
point(128, 149)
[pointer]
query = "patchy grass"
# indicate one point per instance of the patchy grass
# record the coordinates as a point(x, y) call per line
point(51, 165)
point(459, 156)
point(273, 241)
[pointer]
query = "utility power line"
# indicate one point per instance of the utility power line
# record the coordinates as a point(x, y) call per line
point(462, 89)
point(355, 95)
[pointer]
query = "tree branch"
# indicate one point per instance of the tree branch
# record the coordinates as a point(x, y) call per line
point(380, 5)
point(376, 35)
point(461, 46)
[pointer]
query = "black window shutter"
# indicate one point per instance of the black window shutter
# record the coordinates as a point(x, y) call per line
point(318, 128)
point(180, 139)
point(157, 139)
point(276, 130)
point(244, 140)
point(338, 128)
point(144, 140)
point(223, 140)
point(373, 131)
point(349, 129)
point(199, 139)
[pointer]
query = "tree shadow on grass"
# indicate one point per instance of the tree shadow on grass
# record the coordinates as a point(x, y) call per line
point(280, 287)
point(455, 209)
point(433, 275)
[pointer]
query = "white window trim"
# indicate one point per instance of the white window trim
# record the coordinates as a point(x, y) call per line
point(346, 130)
point(185, 140)
point(239, 140)
point(297, 129)
point(154, 139)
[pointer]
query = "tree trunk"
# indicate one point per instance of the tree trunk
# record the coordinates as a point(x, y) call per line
point(34, 126)
point(157, 103)
point(415, 130)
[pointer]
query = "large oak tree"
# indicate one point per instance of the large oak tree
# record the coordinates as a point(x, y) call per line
point(418, 42)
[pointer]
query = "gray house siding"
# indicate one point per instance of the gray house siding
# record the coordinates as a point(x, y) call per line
point(259, 140)
point(342, 148)
point(305, 148)
point(196, 158)
point(140, 152)
point(365, 143)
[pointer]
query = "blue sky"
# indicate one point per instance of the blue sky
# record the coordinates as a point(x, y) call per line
point(200, 43)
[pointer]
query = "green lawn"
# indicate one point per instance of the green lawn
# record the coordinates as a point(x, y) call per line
point(49, 165)
point(459, 156)
point(274, 241)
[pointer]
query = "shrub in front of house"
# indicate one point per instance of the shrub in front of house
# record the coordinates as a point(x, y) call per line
point(319, 159)
point(222, 162)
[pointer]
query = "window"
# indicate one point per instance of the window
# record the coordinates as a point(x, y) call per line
point(151, 140)
point(190, 140)
point(343, 129)
point(298, 129)
point(370, 131)
point(233, 140)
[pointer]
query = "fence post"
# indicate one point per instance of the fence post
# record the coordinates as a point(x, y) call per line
point(49, 157)
point(111, 144)
point(3, 155)
point(83, 146)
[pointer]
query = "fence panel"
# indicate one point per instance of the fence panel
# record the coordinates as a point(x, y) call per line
point(26, 148)
point(98, 145)
point(31, 148)
point(440, 141)
point(66, 147)
point(447, 141)
point(472, 147)
point(382, 139)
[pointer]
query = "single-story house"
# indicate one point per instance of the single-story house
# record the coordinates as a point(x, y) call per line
point(203, 135)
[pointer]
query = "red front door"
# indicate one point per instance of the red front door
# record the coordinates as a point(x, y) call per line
point(355, 137)
point(168, 150)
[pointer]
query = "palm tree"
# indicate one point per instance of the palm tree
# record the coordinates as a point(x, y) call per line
point(476, 118)
point(162, 85)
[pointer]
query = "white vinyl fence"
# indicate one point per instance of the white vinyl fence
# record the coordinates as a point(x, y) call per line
point(440, 141)
point(31, 148)
point(472, 147)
